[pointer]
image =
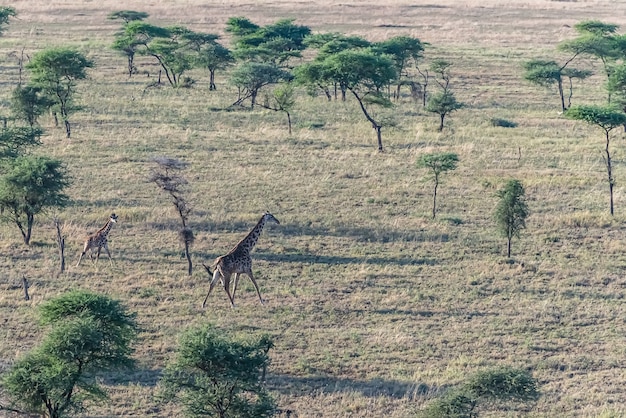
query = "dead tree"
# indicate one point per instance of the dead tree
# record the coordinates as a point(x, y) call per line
point(166, 179)
point(61, 244)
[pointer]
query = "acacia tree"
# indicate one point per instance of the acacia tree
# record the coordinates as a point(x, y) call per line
point(607, 118)
point(14, 140)
point(29, 103)
point(216, 375)
point(127, 16)
point(437, 164)
point(511, 211)
point(90, 334)
point(596, 39)
point(124, 42)
point(282, 100)
point(444, 102)
point(327, 44)
point(6, 13)
point(29, 186)
point(404, 50)
point(362, 72)
point(56, 71)
point(215, 56)
point(275, 44)
point(546, 73)
point(251, 77)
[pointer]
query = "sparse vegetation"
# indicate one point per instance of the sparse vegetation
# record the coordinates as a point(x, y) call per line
point(374, 309)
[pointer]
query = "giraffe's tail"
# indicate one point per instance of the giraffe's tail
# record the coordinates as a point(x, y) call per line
point(207, 269)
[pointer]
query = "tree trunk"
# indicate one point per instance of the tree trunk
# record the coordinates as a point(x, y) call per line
point(379, 136)
point(442, 116)
point(561, 95)
point(609, 170)
point(190, 265)
point(253, 94)
point(61, 243)
point(212, 80)
point(508, 247)
point(30, 219)
point(289, 122)
point(68, 129)
point(375, 124)
point(435, 196)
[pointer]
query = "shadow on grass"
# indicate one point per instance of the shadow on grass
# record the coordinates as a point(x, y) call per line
point(338, 260)
point(359, 233)
point(294, 385)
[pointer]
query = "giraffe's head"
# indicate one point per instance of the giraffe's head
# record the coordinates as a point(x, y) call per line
point(270, 218)
point(113, 218)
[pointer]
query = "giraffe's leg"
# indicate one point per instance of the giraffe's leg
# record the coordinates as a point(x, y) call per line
point(98, 255)
point(217, 275)
point(83, 253)
point(106, 248)
point(249, 273)
point(235, 285)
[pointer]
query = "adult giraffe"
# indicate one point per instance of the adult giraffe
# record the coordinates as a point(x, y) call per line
point(238, 261)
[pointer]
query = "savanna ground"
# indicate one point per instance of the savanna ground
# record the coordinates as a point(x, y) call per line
point(374, 307)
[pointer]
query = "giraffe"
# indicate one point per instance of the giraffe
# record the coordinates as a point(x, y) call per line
point(238, 261)
point(99, 240)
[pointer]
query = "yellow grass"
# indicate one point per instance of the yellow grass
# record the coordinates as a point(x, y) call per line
point(374, 307)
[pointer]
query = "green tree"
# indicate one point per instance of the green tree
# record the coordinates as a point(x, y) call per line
point(5, 14)
point(214, 375)
point(328, 44)
point(29, 103)
point(127, 16)
point(134, 39)
point(215, 56)
point(14, 140)
point(437, 164)
point(443, 104)
point(596, 39)
point(404, 50)
point(363, 72)
point(607, 118)
point(547, 73)
point(282, 100)
point(90, 334)
point(56, 71)
point(275, 44)
point(511, 211)
point(124, 42)
point(29, 186)
point(177, 49)
point(251, 77)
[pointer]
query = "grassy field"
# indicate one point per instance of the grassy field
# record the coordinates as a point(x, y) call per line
point(375, 308)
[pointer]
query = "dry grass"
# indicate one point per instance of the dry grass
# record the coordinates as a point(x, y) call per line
point(375, 308)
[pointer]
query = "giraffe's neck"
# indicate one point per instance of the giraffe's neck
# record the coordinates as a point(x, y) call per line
point(251, 239)
point(104, 231)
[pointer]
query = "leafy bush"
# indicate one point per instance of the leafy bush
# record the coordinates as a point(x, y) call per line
point(217, 375)
point(455, 404)
point(503, 384)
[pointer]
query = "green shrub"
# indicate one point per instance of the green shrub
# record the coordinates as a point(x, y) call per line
point(502, 123)
point(454, 404)
point(503, 384)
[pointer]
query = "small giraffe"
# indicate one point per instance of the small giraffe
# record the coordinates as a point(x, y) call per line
point(238, 261)
point(99, 241)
